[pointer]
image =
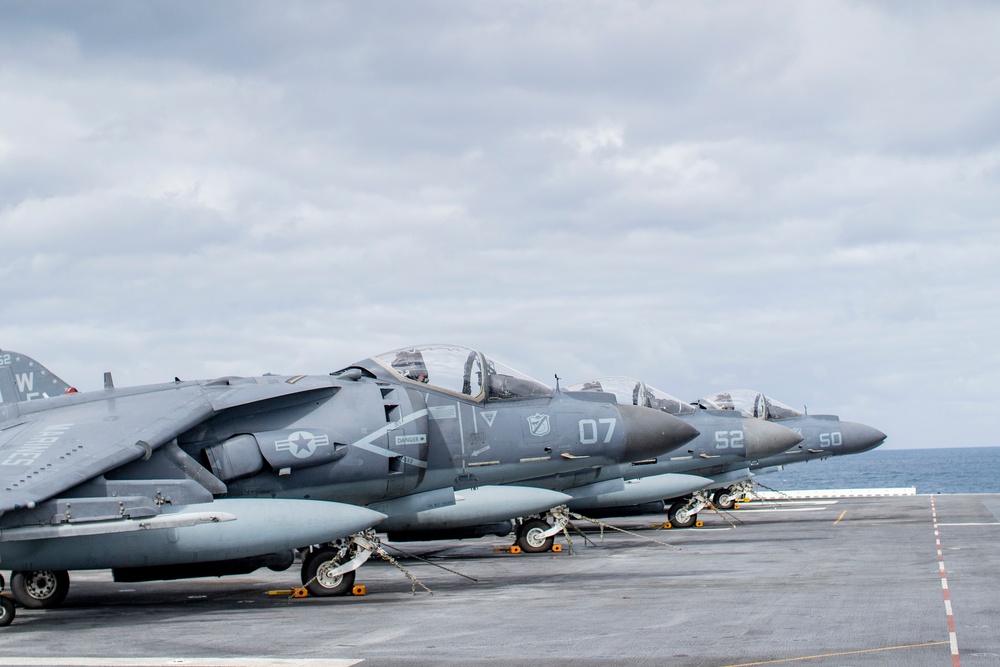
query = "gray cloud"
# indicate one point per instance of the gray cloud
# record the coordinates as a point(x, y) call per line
point(796, 198)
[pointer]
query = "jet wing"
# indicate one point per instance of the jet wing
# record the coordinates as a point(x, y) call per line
point(44, 452)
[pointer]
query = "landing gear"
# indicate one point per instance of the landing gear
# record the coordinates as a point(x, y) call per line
point(725, 499)
point(329, 570)
point(681, 515)
point(6, 612)
point(536, 535)
point(684, 512)
point(742, 490)
point(316, 573)
point(6, 607)
point(531, 536)
point(40, 589)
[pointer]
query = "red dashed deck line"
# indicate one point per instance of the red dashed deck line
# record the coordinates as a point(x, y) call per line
point(956, 660)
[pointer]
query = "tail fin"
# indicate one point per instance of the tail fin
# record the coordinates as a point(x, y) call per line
point(23, 379)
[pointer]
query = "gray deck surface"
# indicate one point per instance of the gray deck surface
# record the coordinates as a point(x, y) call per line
point(816, 583)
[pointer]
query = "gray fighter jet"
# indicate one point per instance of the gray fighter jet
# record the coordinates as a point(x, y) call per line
point(821, 439)
point(822, 436)
point(727, 477)
point(224, 476)
point(727, 439)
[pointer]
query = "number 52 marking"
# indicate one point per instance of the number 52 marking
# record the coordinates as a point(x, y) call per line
point(729, 439)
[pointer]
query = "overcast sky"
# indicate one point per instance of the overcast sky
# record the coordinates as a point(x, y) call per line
point(800, 198)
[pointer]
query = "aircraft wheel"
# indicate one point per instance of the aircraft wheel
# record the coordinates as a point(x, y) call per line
point(724, 499)
point(315, 567)
point(680, 517)
point(6, 612)
point(529, 536)
point(40, 589)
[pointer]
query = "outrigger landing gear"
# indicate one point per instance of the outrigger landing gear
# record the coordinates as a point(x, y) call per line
point(684, 512)
point(680, 516)
point(40, 589)
point(6, 607)
point(725, 499)
point(531, 536)
point(329, 570)
point(536, 535)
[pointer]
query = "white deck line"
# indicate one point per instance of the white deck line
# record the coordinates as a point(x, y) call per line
point(839, 493)
point(9, 661)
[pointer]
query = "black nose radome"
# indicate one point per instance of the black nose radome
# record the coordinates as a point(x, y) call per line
point(650, 433)
point(860, 437)
point(764, 439)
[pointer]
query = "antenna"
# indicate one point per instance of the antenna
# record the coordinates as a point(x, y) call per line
point(557, 381)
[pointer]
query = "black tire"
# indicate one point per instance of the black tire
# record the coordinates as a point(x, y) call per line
point(314, 566)
point(724, 499)
point(40, 589)
point(685, 520)
point(529, 537)
point(6, 612)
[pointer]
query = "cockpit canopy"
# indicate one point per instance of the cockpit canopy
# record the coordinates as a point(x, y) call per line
point(629, 391)
point(461, 370)
point(750, 403)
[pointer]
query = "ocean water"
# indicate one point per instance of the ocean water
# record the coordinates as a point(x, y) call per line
point(945, 470)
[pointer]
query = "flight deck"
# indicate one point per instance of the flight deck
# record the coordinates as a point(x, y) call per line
point(905, 580)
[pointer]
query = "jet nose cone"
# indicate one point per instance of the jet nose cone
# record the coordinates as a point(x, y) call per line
point(860, 437)
point(764, 439)
point(650, 433)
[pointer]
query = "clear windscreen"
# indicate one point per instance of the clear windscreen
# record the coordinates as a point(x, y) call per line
point(506, 383)
point(629, 391)
point(461, 370)
point(750, 403)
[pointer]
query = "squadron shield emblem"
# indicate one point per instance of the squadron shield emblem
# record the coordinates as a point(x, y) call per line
point(538, 424)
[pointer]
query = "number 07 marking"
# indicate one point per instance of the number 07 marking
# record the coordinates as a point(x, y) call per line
point(589, 430)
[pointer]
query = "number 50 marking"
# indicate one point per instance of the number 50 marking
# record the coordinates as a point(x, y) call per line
point(833, 439)
point(588, 430)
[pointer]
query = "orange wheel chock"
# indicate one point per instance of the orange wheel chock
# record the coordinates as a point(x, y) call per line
point(300, 593)
point(556, 548)
point(698, 524)
point(515, 549)
point(359, 590)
